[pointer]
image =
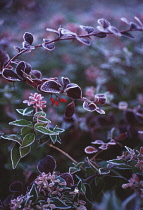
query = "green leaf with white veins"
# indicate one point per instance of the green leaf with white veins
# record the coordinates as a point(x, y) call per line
point(28, 140)
point(15, 155)
point(13, 137)
point(26, 130)
point(21, 122)
point(24, 151)
point(44, 130)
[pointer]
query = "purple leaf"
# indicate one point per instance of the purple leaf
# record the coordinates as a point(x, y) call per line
point(18, 49)
point(20, 68)
point(97, 142)
point(100, 111)
point(50, 46)
point(10, 75)
point(52, 30)
point(26, 45)
point(88, 29)
point(121, 136)
point(90, 150)
point(73, 91)
point(68, 178)
point(104, 30)
point(104, 23)
point(83, 41)
point(101, 35)
point(48, 164)
point(103, 146)
point(139, 21)
point(65, 81)
point(89, 106)
point(28, 37)
point(67, 32)
point(126, 34)
point(125, 20)
point(100, 99)
point(70, 109)
point(112, 142)
point(4, 57)
point(114, 30)
point(134, 26)
point(51, 87)
point(36, 73)
point(28, 68)
point(16, 186)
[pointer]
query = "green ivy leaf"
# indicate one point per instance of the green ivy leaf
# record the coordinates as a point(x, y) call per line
point(21, 122)
point(40, 114)
point(28, 111)
point(59, 139)
point(43, 120)
point(53, 138)
point(83, 188)
point(24, 151)
point(13, 137)
point(28, 140)
point(26, 130)
point(58, 130)
point(15, 155)
point(25, 112)
point(44, 130)
point(20, 111)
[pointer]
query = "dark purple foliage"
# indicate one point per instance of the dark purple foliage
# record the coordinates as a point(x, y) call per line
point(68, 178)
point(16, 186)
point(48, 164)
point(70, 109)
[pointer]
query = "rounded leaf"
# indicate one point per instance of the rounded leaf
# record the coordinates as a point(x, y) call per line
point(70, 109)
point(88, 29)
point(51, 87)
point(10, 75)
point(90, 150)
point(68, 178)
point(103, 22)
point(20, 68)
point(50, 46)
point(89, 106)
point(73, 91)
point(16, 186)
point(48, 164)
point(65, 82)
point(28, 37)
point(36, 73)
point(97, 142)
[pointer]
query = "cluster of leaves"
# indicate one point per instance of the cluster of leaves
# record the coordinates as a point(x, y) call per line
point(36, 129)
point(49, 190)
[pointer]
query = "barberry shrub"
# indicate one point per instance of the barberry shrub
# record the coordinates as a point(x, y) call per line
point(34, 125)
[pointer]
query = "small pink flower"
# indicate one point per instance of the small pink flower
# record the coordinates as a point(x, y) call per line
point(133, 181)
point(36, 100)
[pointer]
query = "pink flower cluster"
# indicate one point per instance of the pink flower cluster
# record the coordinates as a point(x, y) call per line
point(36, 100)
point(136, 184)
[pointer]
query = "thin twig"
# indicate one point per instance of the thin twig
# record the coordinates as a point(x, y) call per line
point(66, 154)
point(96, 155)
